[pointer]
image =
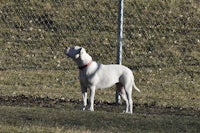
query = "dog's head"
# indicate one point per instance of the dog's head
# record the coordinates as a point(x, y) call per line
point(79, 55)
point(74, 52)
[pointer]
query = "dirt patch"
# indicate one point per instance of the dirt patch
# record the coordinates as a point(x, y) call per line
point(23, 100)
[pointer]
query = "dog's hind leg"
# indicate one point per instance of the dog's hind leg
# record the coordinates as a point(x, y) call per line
point(119, 87)
point(124, 97)
point(130, 101)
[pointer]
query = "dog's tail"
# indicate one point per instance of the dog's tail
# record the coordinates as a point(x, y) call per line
point(133, 82)
point(135, 87)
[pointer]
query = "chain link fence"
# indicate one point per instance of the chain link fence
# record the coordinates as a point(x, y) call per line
point(52, 25)
point(93, 24)
point(161, 39)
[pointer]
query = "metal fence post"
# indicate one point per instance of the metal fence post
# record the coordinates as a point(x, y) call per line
point(120, 32)
point(119, 41)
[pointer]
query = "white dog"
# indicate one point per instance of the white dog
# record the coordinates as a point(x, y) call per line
point(93, 75)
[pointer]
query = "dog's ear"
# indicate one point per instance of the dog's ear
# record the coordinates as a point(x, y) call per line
point(82, 51)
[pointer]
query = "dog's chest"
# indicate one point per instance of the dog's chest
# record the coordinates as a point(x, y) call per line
point(86, 78)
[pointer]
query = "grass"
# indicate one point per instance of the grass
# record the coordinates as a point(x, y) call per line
point(68, 119)
point(161, 46)
point(53, 84)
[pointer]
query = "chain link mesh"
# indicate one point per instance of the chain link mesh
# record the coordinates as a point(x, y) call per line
point(165, 32)
point(45, 28)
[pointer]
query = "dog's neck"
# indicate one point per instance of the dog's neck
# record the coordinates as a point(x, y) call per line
point(86, 65)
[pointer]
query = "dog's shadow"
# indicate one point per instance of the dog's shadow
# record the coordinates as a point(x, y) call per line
point(104, 107)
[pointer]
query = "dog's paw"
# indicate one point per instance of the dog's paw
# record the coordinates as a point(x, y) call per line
point(83, 108)
point(91, 109)
point(126, 112)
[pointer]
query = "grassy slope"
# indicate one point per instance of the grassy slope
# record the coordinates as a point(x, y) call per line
point(161, 46)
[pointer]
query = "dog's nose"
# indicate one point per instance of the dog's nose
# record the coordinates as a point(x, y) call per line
point(67, 49)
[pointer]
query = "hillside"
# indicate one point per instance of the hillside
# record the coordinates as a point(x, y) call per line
point(161, 46)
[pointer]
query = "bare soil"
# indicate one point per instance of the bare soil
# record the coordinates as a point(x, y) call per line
point(23, 100)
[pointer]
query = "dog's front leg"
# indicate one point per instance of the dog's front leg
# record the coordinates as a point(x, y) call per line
point(92, 94)
point(84, 95)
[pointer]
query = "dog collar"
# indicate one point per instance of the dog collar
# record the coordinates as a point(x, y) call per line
point(86, 65)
